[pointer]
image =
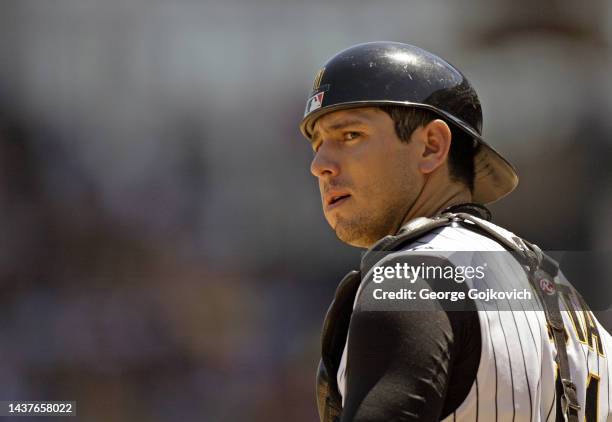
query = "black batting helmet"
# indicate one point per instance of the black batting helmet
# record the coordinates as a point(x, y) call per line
point(391, 73)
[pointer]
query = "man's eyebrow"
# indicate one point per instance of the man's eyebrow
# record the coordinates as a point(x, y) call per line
point(336, 126)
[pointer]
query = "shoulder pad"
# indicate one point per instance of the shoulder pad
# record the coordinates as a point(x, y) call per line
point(336, 324)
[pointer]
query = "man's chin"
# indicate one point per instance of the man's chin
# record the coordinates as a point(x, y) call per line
point(352, 234)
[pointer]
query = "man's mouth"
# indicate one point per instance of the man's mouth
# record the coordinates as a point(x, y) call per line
point(336, 200)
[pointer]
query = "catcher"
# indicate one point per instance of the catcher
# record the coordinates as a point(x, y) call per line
point(404, 172)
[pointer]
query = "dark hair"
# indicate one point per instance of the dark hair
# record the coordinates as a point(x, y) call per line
point(463, 147)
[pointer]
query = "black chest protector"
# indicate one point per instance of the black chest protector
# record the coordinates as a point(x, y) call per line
point(338, 317)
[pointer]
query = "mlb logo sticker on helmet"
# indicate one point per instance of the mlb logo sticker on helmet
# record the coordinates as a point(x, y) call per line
point(314, 102)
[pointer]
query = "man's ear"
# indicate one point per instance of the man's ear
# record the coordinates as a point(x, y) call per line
point(437, 140)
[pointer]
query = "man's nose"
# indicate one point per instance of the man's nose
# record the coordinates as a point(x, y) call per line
point(324, 162)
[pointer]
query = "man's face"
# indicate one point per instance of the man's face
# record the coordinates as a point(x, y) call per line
point(368, 178)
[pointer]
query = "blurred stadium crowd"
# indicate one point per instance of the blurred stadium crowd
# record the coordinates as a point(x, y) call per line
point(163, 256)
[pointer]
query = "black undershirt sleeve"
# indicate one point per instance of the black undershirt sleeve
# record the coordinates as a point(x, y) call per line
point(409, 360)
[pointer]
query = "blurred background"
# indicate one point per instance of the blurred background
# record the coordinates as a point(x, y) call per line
point(163, 255)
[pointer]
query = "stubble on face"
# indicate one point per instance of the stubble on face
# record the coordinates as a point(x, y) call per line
point(379, 208)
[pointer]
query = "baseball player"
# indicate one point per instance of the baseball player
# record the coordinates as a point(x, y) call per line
point(404, 172)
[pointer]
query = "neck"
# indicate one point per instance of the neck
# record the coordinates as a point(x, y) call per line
point(433, 200)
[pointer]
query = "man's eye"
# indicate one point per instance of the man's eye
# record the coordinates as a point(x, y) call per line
point(349, 136)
